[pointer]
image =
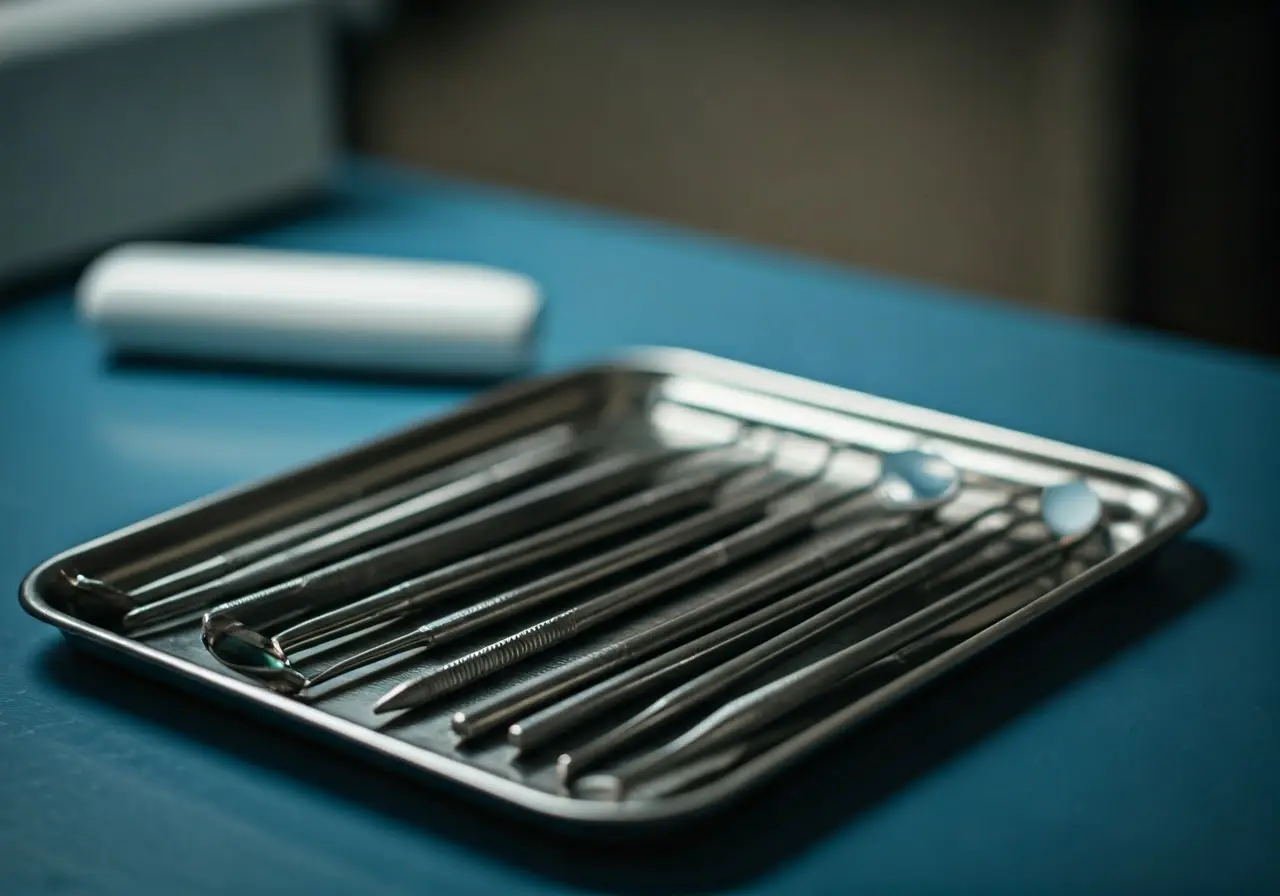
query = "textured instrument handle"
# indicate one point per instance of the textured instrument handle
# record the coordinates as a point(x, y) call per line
point(511, 705)
point(497, 656)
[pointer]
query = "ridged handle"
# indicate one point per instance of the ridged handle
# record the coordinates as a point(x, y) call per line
point(499, 655)
point(511, 705)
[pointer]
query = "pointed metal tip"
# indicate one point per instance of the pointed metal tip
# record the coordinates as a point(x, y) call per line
point(77, 579)
point(462, 725)
point(565, 769)
point(514, 734)
point(94, 601)
point(136, 618)
point(165, 609)
point(401, 696)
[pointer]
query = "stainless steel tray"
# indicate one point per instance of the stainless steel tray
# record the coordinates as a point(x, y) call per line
point(1146, 507)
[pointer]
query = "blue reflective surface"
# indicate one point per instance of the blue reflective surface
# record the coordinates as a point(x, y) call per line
point(916, 478)
point(1127, 746)
point(1070, 509)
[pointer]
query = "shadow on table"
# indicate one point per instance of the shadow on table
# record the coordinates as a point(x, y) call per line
point(453, 384)
point(784, 818)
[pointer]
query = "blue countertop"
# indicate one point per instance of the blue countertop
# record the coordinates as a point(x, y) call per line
point(1129, 743)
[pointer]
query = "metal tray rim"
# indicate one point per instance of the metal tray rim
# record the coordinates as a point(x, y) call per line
point(687, 362)
point(624, 815)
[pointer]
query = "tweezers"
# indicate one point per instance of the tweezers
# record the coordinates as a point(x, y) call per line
point(535, 730)
point(950, 543)
point(877, 675)
point(753, 711)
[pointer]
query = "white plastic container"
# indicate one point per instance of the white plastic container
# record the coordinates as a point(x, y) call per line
point(230, 303)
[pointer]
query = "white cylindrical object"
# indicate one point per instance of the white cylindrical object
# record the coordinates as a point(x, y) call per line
point(267, 306)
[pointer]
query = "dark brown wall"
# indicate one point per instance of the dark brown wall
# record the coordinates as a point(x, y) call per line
point(1092, 157)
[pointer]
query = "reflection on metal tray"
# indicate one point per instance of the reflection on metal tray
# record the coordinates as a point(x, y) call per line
point(620, 596)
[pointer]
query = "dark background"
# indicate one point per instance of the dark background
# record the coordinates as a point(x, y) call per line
point(1107, 159)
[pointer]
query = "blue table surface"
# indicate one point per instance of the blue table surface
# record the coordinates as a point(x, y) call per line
point(1131, 742)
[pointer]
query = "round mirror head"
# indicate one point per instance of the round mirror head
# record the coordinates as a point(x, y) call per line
point(251, 654)
point(915, 480)
point(1071, 510)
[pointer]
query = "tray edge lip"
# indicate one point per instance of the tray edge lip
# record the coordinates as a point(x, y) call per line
point(738, 782)
point(407, 755)
point(495, 395)
point(671, 360)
